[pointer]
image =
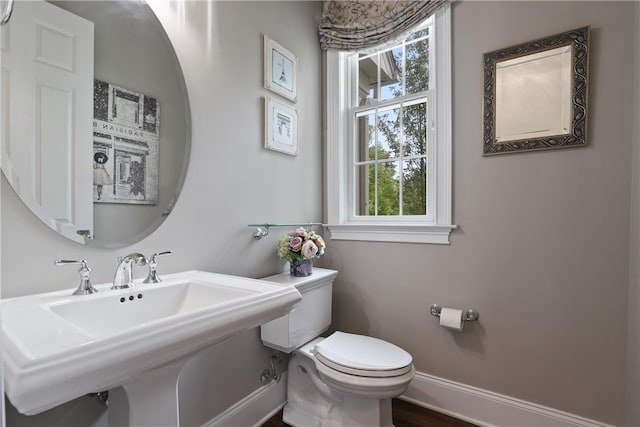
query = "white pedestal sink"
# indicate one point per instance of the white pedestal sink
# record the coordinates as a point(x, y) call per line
point(58, 347)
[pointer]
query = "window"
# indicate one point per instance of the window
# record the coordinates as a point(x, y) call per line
point(389, 139)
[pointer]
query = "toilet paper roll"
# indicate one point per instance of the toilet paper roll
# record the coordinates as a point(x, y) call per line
point(451, 318)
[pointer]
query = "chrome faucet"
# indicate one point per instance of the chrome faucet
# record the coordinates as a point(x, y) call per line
point(123, 278)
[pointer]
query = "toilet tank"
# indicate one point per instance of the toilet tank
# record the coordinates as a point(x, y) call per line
point(309, 318)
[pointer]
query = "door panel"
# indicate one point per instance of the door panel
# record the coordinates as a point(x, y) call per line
point(48, 92)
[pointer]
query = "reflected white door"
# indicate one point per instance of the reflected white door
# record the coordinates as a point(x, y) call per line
point(47, 129)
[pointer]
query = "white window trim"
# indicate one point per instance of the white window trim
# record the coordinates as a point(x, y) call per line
point(339, 223)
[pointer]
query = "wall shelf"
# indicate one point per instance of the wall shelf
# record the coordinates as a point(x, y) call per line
point(262, 230)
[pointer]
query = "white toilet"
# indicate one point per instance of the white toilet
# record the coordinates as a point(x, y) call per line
point(341, 380)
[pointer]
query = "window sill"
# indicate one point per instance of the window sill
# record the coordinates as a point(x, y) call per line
point(399, 233)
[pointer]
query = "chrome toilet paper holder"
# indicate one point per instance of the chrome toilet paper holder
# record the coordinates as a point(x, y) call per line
point(467, 316)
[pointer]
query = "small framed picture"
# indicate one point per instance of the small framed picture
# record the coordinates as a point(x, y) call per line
point(280, 70)
point(281, 127)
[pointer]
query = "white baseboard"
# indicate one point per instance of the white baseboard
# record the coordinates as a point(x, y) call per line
point(256, 408)
point(481, 407)
point(486, 408)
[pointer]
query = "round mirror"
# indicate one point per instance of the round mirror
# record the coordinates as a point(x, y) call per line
point(96, 126)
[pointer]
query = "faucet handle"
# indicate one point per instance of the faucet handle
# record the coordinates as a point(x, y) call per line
point(85, 287)
point(153, 277)
point(154, 256)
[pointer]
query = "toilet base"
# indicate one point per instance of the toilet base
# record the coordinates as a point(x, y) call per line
point(310, 402)
point(351, 412)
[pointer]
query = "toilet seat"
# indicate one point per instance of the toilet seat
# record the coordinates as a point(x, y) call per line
point(364, 386)
point(362, 356)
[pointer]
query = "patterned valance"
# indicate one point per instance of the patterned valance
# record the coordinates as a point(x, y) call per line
point(349, 25)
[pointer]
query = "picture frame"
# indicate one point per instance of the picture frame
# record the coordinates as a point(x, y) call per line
point(126, 144)
point(280, 70)
point(543, 113)
point(281, 127)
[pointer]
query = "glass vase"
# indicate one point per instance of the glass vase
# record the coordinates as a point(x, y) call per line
point(301, 268)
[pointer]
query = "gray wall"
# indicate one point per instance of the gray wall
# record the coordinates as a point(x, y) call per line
point(232, 181)
point(633, 332)
point(542, 250)
point(543, 246)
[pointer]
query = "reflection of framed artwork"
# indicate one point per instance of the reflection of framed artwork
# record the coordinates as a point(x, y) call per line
point(126, 126)
point(281, 127)
point(280, 70)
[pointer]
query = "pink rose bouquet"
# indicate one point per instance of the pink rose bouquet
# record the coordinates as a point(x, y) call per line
point(300, 244)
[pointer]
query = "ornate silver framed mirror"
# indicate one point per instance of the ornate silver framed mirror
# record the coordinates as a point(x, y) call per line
point(536, 94)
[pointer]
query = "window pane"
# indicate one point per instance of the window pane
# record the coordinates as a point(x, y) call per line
point(384, 178)
point(389, 134)
point(418, 34)
point(390, 66)
point(392, 139)
point(417, 66)
point(414, 187)
point(366, 138)
point(414, 126)
point(367, 78)
point(388, 187)
point(365, 190)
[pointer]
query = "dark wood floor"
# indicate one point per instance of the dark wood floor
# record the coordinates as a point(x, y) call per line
point(405, 414)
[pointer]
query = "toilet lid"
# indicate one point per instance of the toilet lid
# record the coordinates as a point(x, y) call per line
point(362, 353)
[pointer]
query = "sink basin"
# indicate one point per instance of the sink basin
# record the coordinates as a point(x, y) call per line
point(143, 306)
point(57, 347)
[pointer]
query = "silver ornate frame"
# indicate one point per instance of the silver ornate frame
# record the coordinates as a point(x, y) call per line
point(579, 40)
